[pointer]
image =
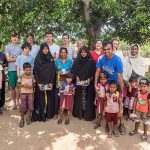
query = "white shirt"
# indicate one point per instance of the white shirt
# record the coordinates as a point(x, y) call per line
point(34, 51)
point(54, 49)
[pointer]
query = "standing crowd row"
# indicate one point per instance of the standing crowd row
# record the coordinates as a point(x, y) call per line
point(47, 82)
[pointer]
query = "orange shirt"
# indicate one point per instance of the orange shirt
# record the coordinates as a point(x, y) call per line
point(142, 102)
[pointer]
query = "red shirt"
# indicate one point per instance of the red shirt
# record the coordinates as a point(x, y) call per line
point(95, 56)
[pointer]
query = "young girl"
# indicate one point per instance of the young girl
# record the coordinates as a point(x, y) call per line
point(66, 98)
point(131, 92)
point(102, 87)
point(112, 108)
point(26, 84)
point(142, 108)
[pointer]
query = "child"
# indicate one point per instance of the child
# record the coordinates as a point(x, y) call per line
point(131, 92)
point(67, 91)
point(102, 87)
point(112, 108)
point(26, 94)
point(142, 108)
point(1, 78)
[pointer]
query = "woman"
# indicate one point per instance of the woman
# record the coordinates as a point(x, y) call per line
point(83, 70)
point(95, 54)
point(134, 66)
point(44, 72)
point(63, 66)
point(3, 62)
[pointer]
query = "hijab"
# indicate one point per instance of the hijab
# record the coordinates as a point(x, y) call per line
point(44, 67)
point(83, 67)
point(134, 63)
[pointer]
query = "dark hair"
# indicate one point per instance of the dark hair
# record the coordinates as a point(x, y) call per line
point(112, 82)
point(14, 34)
point(104, 75)
point(63, 48)
point(105, 43)
point(26, 65)
point(133, 79)
point(65, 34)
point(144, 81)
point(30, 34)
point(26, 44)
point(49, 32)
point(68, 75)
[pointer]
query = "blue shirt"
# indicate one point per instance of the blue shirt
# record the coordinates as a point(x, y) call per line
point(112, 66)
point(60, 65)
point(23, 59)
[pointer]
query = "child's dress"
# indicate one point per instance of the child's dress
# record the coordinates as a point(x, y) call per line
point(100, 97)
point(129, 100)
point(66, 99)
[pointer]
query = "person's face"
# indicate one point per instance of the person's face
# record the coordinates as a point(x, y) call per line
point(79, 44)
point(65, 39)
point(26, 50)
point(27, 71)
point(98, 45)
point(108, 50)
point(133, 84)
point(83, 53)
point(103, 80)
point(112, 88)
point(14, 39)
point(45, 50)
point(30, 39)
point(49, 38)
point(115, 44)
point(143, 87)
point(63, 53)
point(68, 80)
point(134, 50)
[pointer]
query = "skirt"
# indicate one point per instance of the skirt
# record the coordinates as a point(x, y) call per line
point(100, 105)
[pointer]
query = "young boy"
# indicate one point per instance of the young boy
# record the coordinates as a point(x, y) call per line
point(12, 51)
point(142, 108)
point(112, 108)
point(23, 58)
point(26, 94)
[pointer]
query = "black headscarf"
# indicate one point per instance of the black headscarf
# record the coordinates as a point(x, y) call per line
point(83, 68)
point(44, 67)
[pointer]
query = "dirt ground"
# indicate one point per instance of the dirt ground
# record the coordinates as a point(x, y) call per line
point(79, 135)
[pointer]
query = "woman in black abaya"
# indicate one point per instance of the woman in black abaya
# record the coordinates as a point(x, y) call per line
point(44, 72)
point(84, 70)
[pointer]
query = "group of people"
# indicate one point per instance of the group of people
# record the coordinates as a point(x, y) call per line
point(47, 82)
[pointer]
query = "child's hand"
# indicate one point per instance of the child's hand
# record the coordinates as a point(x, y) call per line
point(148, 115)
point(95, 102)
point(40, 87)
point(104, 113)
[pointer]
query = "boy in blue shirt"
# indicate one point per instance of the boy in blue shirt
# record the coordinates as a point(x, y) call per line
point(111, 64)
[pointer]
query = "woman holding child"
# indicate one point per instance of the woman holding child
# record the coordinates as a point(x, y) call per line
point(44, 72)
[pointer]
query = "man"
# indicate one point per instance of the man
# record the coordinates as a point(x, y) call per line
point(115, 48)
point(54, 48)
point(12, 51)
point(111, 64)
point(35, 48)
point(71, 51)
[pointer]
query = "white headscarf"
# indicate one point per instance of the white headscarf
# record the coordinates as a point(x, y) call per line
point(133, 63)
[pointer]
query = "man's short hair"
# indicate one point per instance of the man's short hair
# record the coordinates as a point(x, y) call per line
point(65, 34)
point(105, 43)
point(49, 32)
point(30, 34)
point(26, 44)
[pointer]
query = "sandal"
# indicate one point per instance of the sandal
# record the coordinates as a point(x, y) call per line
point(67, 121)
point(96, 126)
point(28, 121)
point(116, 134)
point(122, 129)
point(132, 133)
point(106, 129)
point(59, 121)
point(109, 135)
point(21, 123)
point(144, 138)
